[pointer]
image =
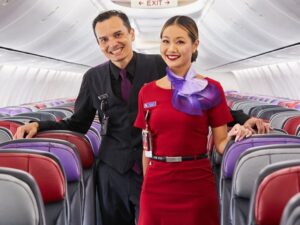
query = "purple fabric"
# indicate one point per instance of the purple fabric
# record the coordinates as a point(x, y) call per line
point(192, 95)
point(125, 85)
point(65, 154)
point(14, 110)
point(94, 140)
point(236, 149)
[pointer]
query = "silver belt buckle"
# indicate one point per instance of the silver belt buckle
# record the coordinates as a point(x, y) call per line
point(173, 159)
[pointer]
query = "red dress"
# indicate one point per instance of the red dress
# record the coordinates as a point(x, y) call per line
point(181, 193)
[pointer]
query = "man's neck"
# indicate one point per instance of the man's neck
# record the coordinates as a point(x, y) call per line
point(122, 64)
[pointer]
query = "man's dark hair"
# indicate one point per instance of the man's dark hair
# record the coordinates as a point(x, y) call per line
point(107, 15)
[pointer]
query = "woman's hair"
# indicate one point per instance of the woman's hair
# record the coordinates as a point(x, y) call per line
point(187, 24)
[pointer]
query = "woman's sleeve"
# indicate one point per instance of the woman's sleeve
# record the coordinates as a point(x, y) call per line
point(220, 114)
point(140, 118)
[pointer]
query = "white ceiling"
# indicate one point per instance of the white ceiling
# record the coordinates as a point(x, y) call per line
point(234, 34)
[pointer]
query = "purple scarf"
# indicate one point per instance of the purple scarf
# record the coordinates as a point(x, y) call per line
point(192, 95)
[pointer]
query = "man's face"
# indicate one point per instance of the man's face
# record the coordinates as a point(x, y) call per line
point(115, 40)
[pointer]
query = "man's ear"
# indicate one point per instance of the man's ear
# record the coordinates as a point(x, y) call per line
point(132, 33)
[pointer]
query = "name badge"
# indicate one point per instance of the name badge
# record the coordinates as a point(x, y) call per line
point(149, 105)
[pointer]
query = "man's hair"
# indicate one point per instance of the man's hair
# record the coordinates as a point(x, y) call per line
point(107, 15)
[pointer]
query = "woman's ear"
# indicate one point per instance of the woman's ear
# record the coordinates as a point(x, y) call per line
point(195, 46)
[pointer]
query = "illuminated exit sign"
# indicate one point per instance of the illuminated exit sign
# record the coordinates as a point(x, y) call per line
point(151, 4)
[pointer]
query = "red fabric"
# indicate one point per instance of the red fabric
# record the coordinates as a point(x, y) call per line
point(174, 131)
point(273, 194)
point(45, 171)
point(12, 126)
point(185, 192)
point(291, 125)
point(83, 146)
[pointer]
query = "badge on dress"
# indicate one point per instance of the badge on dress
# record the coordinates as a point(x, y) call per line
point(149, 105)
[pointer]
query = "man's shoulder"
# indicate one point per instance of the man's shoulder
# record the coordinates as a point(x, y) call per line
point(97, 69)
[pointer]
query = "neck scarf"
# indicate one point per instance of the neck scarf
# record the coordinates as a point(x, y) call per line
point(192, 95)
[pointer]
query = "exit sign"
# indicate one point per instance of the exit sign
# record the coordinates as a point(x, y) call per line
point(149, 4)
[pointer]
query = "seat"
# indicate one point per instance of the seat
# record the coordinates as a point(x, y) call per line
point(21, 119)
point(232, 153)
point(247, 169)
point(266, 114)
point(41, 116)
point(48, 173)
point(20, 197)
point(256, 110)
point(88, 163)
point(5, 134)
point(279, 179)
point(94, 140)
point(290, 207)
point(69, 159)
point(14, 110)
point(279, 119)
point(11, 125)
point(291, 125)
point(294, 218)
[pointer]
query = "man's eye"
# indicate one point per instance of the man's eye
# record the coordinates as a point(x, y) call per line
point(117, 35)
point(103, 40)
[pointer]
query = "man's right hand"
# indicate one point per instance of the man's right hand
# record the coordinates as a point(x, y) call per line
point(26, 131)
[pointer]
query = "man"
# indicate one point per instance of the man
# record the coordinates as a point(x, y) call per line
point(102, 90)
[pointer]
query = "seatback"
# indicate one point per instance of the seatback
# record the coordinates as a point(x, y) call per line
point(279, 179)
point(94, 140)
point(11, 125)
point(20, 199)
point(5, 134)
point(289, 208)
point(89, 167)
point(48, 173)
point(41, 116)
point(232, 153)
point(256, 110)
point(247, 169)
point(291, 125)
point(69, 159)
point(266, 114)
point(294, 218)
point(278, 120)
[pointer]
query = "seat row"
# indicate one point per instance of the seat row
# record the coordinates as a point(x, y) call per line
point(68, 191)
point(256, 178)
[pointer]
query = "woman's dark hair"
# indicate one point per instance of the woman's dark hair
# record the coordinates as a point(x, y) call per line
point(107, 15)
point(187, 24)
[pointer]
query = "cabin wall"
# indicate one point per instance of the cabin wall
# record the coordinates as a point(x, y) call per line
point(22, 84)
point(279, 80)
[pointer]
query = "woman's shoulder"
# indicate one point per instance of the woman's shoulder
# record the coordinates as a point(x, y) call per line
point(214, 82)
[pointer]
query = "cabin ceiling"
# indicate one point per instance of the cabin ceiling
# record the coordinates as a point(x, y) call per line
point(234, 34)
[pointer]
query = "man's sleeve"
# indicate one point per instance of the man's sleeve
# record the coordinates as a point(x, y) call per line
point(238, 117)
point(83, 116)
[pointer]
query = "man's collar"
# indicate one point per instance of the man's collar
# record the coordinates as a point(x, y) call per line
point(130, 68)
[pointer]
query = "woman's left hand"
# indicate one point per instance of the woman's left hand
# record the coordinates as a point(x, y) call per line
point(240, 132)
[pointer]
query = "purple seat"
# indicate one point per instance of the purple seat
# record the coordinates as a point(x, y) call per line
point(14, 110)
point(94, 140)
point(69, 159)
point(232, 153)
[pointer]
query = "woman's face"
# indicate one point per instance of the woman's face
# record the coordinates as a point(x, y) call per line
point(176, 48)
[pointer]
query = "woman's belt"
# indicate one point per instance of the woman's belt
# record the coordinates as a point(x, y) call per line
point(177, 158)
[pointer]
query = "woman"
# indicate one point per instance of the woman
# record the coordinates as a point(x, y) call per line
point(175, 112)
